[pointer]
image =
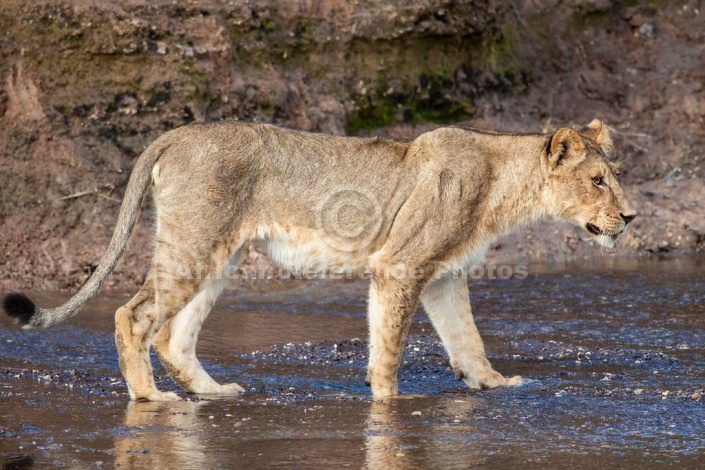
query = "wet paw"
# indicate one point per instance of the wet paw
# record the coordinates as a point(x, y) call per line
point(160, 396)
point(378, 392)
point(514, 381)
point(490, 379)
point(382, 395)
point(215, 389)
point(230, 389)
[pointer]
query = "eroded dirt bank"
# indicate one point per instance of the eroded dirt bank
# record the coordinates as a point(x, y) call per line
point(85, 86)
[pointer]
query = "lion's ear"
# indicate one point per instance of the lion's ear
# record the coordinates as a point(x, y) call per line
point(598, 133)
point(564, 145)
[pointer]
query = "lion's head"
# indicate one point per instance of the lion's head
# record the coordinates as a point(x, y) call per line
point(583, 183)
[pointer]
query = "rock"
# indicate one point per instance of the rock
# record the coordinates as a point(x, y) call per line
point(593, 6)
point(646, 30)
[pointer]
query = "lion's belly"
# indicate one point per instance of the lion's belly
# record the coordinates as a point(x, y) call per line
point(307, 252)
point(310, 252)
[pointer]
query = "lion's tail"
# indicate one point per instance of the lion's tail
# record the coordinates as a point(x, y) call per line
point(23, 309)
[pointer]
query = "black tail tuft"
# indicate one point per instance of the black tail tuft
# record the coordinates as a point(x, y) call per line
point(19, 307)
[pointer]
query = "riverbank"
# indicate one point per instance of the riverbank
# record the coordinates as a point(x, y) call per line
point(84, 88)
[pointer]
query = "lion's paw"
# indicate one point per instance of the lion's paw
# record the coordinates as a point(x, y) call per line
point(514, 381)
point(230, 389)
point(489, 379)
point(215, 389)
point(160, 396)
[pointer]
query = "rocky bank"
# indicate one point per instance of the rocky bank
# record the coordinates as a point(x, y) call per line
point(86, 85)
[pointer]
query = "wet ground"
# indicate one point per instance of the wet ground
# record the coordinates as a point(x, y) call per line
point(614, 351)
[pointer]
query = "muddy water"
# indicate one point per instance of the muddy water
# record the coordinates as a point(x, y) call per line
point(613, 350)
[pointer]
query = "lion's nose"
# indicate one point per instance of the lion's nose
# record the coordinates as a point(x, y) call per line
point(628, 217)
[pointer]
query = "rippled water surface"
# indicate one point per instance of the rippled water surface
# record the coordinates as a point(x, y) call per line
point(613, 350)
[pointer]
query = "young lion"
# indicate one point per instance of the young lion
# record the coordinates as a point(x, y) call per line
point(407, 213)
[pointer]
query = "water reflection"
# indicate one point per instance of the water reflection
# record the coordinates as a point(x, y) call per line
point(163, 435)
point(407, 433)
point(19, 463)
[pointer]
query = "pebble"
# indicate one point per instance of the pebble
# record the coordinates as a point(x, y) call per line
point(416, 413)
point(638, 391)
point(696, 396)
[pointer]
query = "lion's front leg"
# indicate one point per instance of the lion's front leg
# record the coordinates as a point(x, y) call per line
point(392, 304)
point(447, 303)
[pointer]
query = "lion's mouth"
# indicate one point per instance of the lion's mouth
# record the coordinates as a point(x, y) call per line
point(593, 229)
point(605, 238)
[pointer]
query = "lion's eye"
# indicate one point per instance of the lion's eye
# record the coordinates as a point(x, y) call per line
point(598, 181)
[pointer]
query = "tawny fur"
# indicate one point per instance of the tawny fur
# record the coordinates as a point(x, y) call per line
point(406, 213)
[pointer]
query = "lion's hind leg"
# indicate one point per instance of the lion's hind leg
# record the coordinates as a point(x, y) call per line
point(175, 345)
point(175, 342)
point(135, 325)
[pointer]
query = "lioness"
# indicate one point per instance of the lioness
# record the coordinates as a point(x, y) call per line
point(408, 213)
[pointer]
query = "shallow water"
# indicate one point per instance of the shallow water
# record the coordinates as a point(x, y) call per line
point(613, 348)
